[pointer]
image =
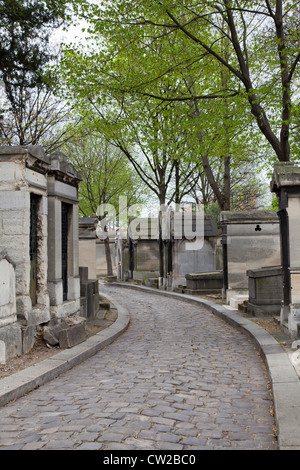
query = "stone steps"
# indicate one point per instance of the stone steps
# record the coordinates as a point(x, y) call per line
point(237, 299)
point(243, 307)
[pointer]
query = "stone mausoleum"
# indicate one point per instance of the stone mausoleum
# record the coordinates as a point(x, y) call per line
point(250, 241)
point(145, 259)
point(286, 185)
point(39, 272)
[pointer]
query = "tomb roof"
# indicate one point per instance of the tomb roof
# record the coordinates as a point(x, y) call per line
point(285, 174)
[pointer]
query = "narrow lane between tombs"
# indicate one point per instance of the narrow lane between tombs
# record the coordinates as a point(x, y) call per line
point(179, 378)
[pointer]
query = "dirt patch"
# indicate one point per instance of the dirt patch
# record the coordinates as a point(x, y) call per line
point(269, 324)
point(42, 351)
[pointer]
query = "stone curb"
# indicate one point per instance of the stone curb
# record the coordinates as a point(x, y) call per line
point(23, 382)
point(283, 377)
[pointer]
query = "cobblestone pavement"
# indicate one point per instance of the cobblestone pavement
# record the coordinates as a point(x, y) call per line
point(178, 379)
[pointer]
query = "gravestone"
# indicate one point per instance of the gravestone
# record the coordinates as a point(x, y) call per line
point(10, 331)
point(204, 283)
point(139, 256)
point(190, 258)
point(143, 240)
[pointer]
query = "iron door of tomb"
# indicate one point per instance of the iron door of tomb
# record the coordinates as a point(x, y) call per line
point(64, 247)
point(33, 248)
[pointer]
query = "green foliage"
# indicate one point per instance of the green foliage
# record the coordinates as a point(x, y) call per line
point(106, 174)
point(213, 210)
point(203, 83)
point(25, 27)
point(274, 203)
point(256, 44)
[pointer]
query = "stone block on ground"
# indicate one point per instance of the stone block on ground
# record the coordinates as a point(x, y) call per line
point(51, 333)
point(67, 333)
point(238, 299)
point(204, 283)
point(11, 342)
point(71, 336)
point(152, 282)
point(28, 337)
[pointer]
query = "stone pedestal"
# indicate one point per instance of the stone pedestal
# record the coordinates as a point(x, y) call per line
point(204, 283)
point(265, 291)
point(89, 292)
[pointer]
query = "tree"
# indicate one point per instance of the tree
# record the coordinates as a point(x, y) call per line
point(25, 54)
point(211, 106)
point(25, 27)
point(106, 176)
point(262, 56)
point(151, 136)
point(37, 118)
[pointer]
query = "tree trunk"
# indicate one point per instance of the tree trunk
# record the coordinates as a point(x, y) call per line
point(227, 189)
point(223, 199)
point(162, 200)
point(108, 257)
point(177, 183)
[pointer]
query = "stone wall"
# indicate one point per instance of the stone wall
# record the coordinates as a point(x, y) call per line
point(87, 244)
point(101, 264)
point(92, 249)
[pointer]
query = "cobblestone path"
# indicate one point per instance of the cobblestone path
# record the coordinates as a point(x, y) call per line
point(178, 379)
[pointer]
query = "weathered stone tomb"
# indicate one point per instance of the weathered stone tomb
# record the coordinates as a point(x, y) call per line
point(286, 185)
point(63, 239)
point(39, 234)
point(146, 258)
point(250, 240)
